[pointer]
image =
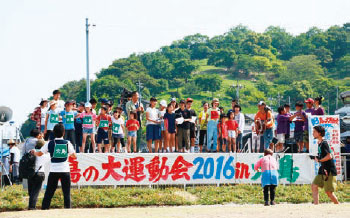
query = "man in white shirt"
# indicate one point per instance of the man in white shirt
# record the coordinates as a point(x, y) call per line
point(57, 98)
point(14, 160)
point(59, 150)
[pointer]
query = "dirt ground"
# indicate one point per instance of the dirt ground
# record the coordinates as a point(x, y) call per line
point(229, 210)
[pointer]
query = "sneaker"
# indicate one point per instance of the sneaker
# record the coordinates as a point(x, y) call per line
point(266, 203)
point(272, 203)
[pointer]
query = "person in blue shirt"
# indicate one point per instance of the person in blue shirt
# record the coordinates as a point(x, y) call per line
point(78, 126)
point(68, 116)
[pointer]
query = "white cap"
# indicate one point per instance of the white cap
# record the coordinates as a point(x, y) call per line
point(87, 104)
point(163, 103)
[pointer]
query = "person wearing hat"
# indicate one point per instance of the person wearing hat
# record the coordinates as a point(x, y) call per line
point(162, 111)
point(212, 119)
point(52, 118)
point(39, 115)
point(193, 123)
point(14, 160)
point(174, 104)
point(264, 115)
point(68, 116)
point(89, 120)
point(183, 129)
point(78, 126)
point(57, 98)
point(103, 121)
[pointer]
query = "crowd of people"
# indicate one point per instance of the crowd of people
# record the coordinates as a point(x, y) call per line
point(171, 127)
point(62, 130)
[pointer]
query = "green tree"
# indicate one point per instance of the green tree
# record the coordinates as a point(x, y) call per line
point(222, 57)
point(183, 69)
point(303, 67)
point(261, 64)
point(210, 82)
point(299, 90)
point(74, 90)
point(343, 67)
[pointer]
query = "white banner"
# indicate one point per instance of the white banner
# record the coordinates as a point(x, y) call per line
point(175, 168)
point(332, 125)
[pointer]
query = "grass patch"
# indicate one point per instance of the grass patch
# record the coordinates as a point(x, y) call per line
point(15, 198)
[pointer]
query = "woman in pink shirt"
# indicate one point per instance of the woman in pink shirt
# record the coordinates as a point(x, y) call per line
point(269, 177)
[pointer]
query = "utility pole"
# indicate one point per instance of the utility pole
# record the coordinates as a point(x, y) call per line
point(238, 87)
point(87, 25)
point(336, 98)
point(139, 84)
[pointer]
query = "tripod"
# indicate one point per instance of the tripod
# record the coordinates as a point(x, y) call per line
point(3, 169)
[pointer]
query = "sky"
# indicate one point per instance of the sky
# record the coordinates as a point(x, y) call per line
point(42, 42)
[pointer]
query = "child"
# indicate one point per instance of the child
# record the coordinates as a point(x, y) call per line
point(89, 119)
point(223, 133)
point(118, 130)
point(203, 126)
point(132, 125)
point(103, 122)
point(327, 172)
point(162, 111)
point(52, 119)
point(153, 126)
point(282, 126)
point(269, 178)
point(300, 117)
point(232, 127)
point(170, 128)
point(68, 116)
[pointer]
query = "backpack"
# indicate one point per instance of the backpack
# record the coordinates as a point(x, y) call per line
point(27, 165)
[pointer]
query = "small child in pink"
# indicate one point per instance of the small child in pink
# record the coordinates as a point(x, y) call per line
point(269, 177)
point(89, 119)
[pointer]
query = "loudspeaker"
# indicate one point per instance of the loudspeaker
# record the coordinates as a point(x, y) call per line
point(291, 146)
point(5, 114)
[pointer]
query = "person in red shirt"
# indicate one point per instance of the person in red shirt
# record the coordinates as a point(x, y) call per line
point(232, 127)
point(103, 122)
point(132, 125)
point(223, 133)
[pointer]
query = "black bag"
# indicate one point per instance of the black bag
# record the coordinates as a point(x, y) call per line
point(27, 165)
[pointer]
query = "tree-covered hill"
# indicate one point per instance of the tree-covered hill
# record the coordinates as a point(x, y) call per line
point(274, 66)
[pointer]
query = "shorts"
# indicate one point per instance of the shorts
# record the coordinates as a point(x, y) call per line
point(329, 186)
point(192, 131)
point(232, 133)
point(202, 136)
point(298, 136)
point(118, 139)
point(306, 136)
point(183, 138)
point(132, 133)
point(153, 132)
point(88, 130)
point(102, 135)
point(281, 138)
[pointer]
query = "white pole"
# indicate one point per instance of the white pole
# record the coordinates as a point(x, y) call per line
point(87, 62)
